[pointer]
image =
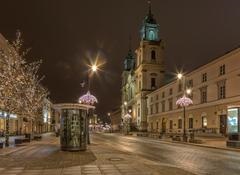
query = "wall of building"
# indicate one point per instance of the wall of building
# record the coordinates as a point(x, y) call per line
point(213, 107)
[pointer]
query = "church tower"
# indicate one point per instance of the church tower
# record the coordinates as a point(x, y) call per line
point(128, 85)
point(149, 68)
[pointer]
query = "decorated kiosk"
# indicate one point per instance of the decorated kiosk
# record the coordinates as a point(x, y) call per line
point(74, 125)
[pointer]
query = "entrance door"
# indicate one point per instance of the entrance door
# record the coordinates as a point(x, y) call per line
point(163, 125)
point(223, 124)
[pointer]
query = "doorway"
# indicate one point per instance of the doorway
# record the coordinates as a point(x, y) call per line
point(163, 125)
point(223, 124)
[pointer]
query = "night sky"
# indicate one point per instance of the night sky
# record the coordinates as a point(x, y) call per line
point(66, 34)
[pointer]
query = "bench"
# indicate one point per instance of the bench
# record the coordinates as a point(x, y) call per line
point(18, 141)
point(197, 141)
point(176, 138)
point(37, 137)
point(26, 140)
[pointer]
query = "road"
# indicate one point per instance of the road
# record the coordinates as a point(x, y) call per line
point(115, 154)
point(193, 159)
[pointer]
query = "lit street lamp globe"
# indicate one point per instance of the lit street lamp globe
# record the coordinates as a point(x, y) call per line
point(184, 101)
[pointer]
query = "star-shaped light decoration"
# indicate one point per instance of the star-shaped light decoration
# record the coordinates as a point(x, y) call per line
point(88, 98)
point(184, 101)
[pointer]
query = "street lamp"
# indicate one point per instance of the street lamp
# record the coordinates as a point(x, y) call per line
point(184, 101)
point(88, 98)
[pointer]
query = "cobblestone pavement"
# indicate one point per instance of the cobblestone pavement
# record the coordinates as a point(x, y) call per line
point(198, 160)
point(102, 157)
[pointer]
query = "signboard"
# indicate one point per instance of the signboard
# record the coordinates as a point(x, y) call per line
point(232, 121)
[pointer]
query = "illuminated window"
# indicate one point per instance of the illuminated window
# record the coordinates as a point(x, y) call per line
point(204, 121)
point(151, 35)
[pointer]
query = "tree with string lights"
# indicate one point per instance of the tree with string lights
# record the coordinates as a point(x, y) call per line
point(20, 90)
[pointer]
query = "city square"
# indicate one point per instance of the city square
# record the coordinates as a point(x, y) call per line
point(131, 87)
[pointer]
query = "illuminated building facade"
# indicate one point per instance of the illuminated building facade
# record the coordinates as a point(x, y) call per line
point(215, 92)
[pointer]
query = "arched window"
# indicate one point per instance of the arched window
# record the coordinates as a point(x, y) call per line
point(153, 55)
point(151, 35)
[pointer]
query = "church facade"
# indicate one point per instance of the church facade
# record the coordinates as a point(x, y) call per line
point(142, 74)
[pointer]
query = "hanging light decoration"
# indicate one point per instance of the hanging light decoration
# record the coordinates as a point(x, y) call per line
point(127, 116)
point(184, 101)
point(88, 98)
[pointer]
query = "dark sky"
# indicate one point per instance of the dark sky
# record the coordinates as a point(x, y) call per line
point(66, 33)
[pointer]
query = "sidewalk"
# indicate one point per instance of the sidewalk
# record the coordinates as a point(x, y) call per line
point(209, 142)
point(13, 148)
point(46, 158)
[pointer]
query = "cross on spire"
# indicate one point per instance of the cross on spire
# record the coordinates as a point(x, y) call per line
point(149, 7)
point(130, 43)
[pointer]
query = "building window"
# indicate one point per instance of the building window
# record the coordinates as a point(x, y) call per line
point(170, 91)
point(163, 94)
point(163, 106)
point(179, 87)
point(178, 97)
point(204, 77)
point(157, 125)
point(222, 70)
point(153, 83)
point(203, 92)
point(221, 89)
point(151, 99)
point(190, 123)
point(140, 85)
point(204, 122)
point(156, 97)
point(170, 124)
point(151, 109)
point(152, 126)
point(190, 83)
point(170, 104)
point(138, 111)
point(153, 55)
point(156, 107)
point(179, 123)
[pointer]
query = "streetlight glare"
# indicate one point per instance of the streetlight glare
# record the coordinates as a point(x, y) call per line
point(189, 91)
point(94, 68)
point(179, 76)
point(125, 103)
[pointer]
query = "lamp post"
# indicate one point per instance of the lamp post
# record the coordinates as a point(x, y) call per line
point(184, 101)
point(109, 115)
point(88, 98)
point(126, 119)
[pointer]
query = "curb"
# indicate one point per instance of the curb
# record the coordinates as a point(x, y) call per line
point(199, 145)
point(206, 146)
